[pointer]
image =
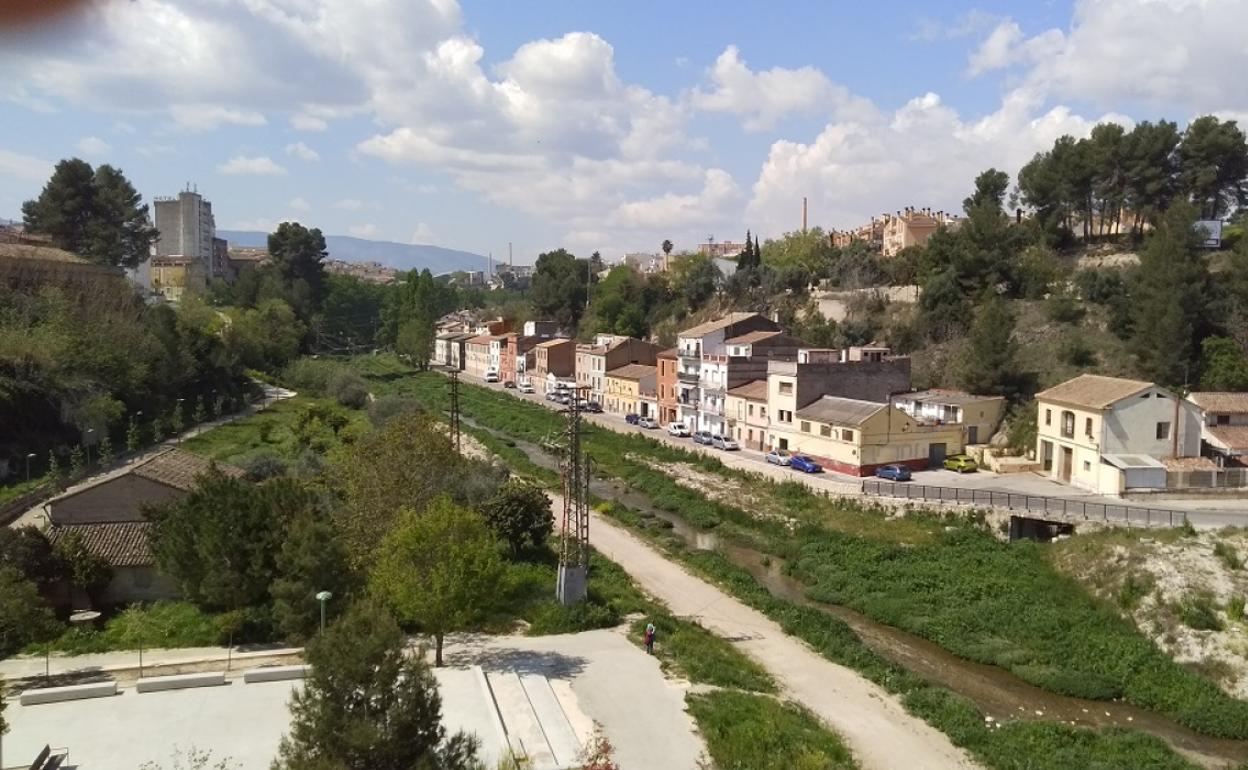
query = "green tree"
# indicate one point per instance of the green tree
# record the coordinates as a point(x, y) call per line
point(439, 569)
point(368, 705)
point(55, 471)
point(987, 366)
point(1213, 163)
point(77, 461)
point(177, 420)
point(220, 543)
point(134, 439)
point(1172, 297)
point(560, 288)
point(28, 550)
point(1223, 365)
point(667, 247)
point(107, 454)
point(24, 618)
point(990, 188)
point(405, 464)
point(86, 571)
point(94, 213)
point(311, 560)
point(298, 254)
point(1150, 165)
point(520, 514)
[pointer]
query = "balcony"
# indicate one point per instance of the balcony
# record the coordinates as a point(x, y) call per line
point(691, 378)
point(694, 354)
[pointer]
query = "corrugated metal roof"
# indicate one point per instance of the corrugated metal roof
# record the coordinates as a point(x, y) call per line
point(840, 411)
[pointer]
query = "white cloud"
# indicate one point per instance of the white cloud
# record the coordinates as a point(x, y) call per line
point(349, 204)
point(299, 204)
point(968, 24)
point(303, 122)
point(259, 165)
point(1166, 54)
point(718, 193)
point(92, 146)
point(302, 151)
point(24, 167)
point(363, 231)
point(422, 234)
point(763, 98)
point(206, 117)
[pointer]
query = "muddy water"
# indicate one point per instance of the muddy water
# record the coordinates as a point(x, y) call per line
point(995, 691)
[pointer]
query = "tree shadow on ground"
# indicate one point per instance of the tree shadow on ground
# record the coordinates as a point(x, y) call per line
point(482, 650)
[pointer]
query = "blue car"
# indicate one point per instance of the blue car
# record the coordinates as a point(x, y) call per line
point(893, 472)
point(804, 464)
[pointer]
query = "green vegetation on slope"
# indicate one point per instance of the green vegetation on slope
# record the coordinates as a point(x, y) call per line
point(754, 732)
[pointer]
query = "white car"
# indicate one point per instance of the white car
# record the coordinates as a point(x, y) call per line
point(491, 376)
point(677, 429)
point(724, 443)
point(648, 422)
point(526, 387)
point(779, 457)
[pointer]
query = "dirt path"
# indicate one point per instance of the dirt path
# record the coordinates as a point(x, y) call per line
point(874, 725)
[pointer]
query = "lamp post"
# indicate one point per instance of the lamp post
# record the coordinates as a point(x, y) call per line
point(86, 439)
point(322, 597)
point(29, 456)
point(177, 440)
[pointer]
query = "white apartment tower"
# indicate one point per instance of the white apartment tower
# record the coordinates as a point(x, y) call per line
point(187, 229)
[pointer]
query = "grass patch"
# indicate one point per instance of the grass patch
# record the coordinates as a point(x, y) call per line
point(688, 649)
point(160, 624)
point(1228, 555)
point(754, 732)
point(275, 432)
point(527, 592)
point(1198, 611)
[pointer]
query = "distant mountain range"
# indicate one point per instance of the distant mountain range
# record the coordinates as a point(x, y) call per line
point(401, 256)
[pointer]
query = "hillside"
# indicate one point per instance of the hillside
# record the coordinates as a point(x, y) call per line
point(403, 256)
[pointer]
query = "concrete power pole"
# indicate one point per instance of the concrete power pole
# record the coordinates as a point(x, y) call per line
point(573, 579)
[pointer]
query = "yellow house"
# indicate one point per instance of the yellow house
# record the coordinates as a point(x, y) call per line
point(745, 408)
point(623, 390)
point(174, 277)
point(856, 437)
point(1107, 434)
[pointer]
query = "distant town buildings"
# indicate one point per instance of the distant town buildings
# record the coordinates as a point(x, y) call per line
point(890, 233)
point(372, 272)
point(721, 249)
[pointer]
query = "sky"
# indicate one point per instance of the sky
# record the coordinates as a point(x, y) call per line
point(590, 125)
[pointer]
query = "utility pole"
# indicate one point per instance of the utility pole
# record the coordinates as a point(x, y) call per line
point(572, 583)
point(455, 411)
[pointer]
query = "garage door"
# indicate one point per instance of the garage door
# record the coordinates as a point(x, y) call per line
point(935, 455)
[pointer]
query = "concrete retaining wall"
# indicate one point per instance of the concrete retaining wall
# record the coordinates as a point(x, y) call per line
point(180, 681)
point(275, 673)
point(71, 692)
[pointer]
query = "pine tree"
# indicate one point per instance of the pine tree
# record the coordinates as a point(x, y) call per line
point(987, 365)
point(76, 462)
point(312, 559)
point(54, 467)
point(107, 455)
point(367, 705)
point(198, 415)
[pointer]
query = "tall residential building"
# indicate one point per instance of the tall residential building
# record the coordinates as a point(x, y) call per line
point(706, 343)
point(187, 252)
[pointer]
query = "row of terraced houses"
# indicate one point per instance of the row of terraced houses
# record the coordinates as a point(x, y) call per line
point(744, 377)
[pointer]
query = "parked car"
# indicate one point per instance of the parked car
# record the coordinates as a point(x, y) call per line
point(526, 387)
point(510, 385)
point(778, 457)
point(491, 376)
point(725, 443)
point(702, 437)
point(678, 430)
point(961, 464)
point(592, 406)
point(632, 419)
point(893, 472)
point(804, 464)
point(648, 422)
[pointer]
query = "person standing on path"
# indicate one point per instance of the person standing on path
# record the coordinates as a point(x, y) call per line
point(649, 637)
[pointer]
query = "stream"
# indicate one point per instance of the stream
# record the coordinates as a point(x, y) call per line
point(995, 691)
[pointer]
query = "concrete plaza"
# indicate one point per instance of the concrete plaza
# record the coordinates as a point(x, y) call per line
point(596, 676)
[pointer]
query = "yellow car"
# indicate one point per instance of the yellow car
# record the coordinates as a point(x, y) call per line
point(961, 464)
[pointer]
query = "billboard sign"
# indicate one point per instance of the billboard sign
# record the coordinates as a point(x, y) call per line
point(1210, 232)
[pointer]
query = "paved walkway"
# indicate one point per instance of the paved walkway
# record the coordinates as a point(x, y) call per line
point(37, 516)
point(879, 732)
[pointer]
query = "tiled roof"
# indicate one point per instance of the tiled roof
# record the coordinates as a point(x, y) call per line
point(632, 372)
point(480, 339)
point(669, 353)
point(554, 342)
point(1093, 391)
point(179, 469)
point(1232, 437)
point(1220, 401)
point(754, 390)
point(121, 544)
point(752, 337)
point(716, 325)
point(840, 411)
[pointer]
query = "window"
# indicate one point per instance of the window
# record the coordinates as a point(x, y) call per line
point(825, 430)
point(805, 427)
point(762, 412)
point(786, 416)
point(847, 435)
point(1087, 426)
point(1224, 419)
point(1163, 431)
point(751, 410)
point(1087, 466)
point(1048, 416)
point(786, 388)
point(1068, 424)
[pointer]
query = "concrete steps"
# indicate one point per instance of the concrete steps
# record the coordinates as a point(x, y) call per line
point(536, 720)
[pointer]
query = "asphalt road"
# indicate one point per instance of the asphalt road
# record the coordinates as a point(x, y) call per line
point(1203, 513)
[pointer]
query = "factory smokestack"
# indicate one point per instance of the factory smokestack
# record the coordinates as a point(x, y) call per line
point(803, 213)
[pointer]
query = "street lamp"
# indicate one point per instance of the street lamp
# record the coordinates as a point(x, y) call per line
point(87, 440)
point(322, 597)
point(28, 459)
point(178, 438)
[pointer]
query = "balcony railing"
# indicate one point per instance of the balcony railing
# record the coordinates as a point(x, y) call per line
point(690, 377)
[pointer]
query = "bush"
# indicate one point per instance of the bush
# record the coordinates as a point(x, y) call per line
point(264, 465)
point(757, 732)
point(1229, 556)
point(391, 405)
point(1235, 608)
point(1078, 353)
point(349, 389)
point(1134, 588)
point(556, 618)
point(1198, 612)
point(311, 375)
point(1064, 308)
